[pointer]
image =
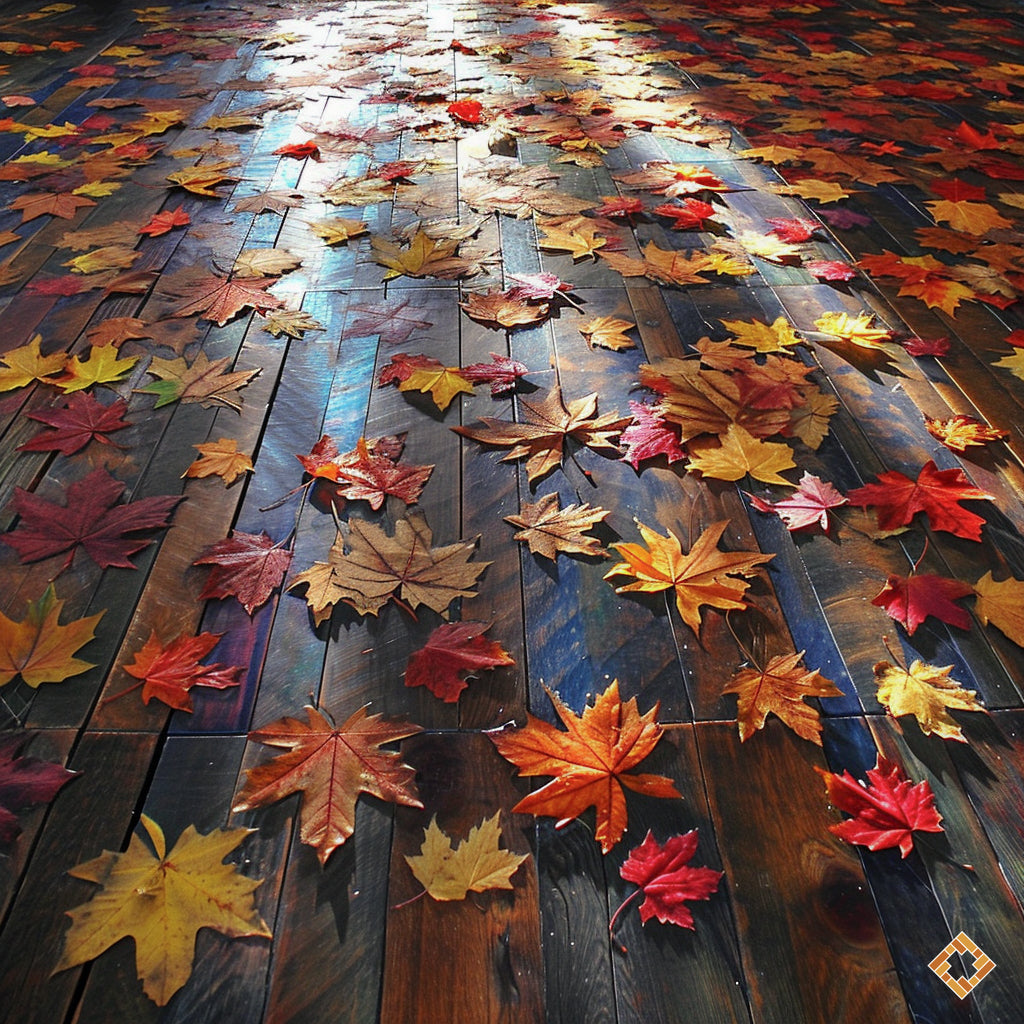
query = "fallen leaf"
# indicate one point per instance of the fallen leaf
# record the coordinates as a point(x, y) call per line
point(336, 230)
point(41, 650)
point(926, 692)
point(703, 576)
point(366, 475)
point(259, 263)
point(117, 329)
point(590, 762)
point(735, 453)
point(424, 257)
point(886, 810)
point(807, 506)
point(780, 688)
point(778, 336)
point(330, 766)
point(388, 320)
point(504, 308)
point(219, 298)
point(973, 218)
point(203, 180)
point(476, 864)
point(279, 200)
point(161, 902)
point(576, 235)
point(91, 518)
point(443, 383)
point(293, 322)
point(466, 111)
point(858, 330)
point(911, 599)
point(205, 381)
point(101, 365)
point(607, 332)
point(935, 492)
point(246, 566)
point(22, 365)
point(1001, 602)
point(959, 433)
point(164, 221)
point(547, 529)
point(501, 373)
point(40, 204)
point(220, 458)
point(78, 421)
point(453, 651)
point(24, 782)
point(299, 150)
point(377, 568)
point(109, 257)
point(687, 216)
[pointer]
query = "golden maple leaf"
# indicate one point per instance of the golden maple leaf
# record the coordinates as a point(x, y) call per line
point(607, 332)
point(330, 765)
point(377, 568)
point(575, 235)
point(962, 432)
point(938, 293)
point(735, 453)
point(443, 383)
point(220, 458)
point(856, 329)
point(202, 180)
point(1014, 363)
point(293, 322)
point(476, 864)
point(702, 576)
point(780, 688)
point(39, 648)
point(101, 365)
point(590, 762)
point(424, 257)
point(264, 263)
point(813, 188)
point(547, 529)
point(963, 215)
point(778, 336)
point(809, 422)
point(22, 365)
point(1001, 602)
point(108, 257)
point(162, 901)
point(336, 230)
point(926, 692)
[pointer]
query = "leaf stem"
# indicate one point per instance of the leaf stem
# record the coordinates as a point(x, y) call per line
point(622, 906)
point(412, 899)
point(115, 696)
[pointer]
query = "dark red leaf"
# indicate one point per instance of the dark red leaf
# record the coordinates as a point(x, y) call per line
point(78, 421)
point(452, 652)
point(688, 215)
point(926, 346)
point(246, 566)
point(501, 373)
point(24, 782)
point(649, 436)
point(402, 367)
point(911, 599)
point(169, 672)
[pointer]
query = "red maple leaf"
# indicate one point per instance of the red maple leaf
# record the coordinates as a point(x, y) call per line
point(830, 270)
point(388, 320)
point(91, 519)
point(649, 436)
point(501, 373)
point(299, 150)
point(886, 811)
point(806, 506)
point(247, 566)
point(402, 367)
point(322, 460)
point(169, 672)
point(911, 599)
point(538, 286)
point(956, 190)
point(467, 111)
point(688, 215)
point(78, 421)
point(161, 223)
point(453, 651)
point(793, 230)
point(24, 782)
point(926, 346)
point(618, 206)
point(366, 474)
point(219, 298)
point(935, 492)
point(666, 879)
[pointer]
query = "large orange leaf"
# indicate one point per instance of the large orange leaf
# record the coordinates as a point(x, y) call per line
point(702, 576)
point(330, 765)
point(591, 761)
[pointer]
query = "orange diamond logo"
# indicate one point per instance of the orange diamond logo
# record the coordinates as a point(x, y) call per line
point(963, 945)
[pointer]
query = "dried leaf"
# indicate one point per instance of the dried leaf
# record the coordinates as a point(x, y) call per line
point(507, 309)
point(607, 332)
point(22, 365)
point(293, 322)
point(547, 529)
point(78, 421)
point(1001, 602)
point(259, 263)
point(220, 298)
point(203, 380)
point(220, 458)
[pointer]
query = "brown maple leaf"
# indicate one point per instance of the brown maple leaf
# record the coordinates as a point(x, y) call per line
point(504, 308)
point(547, 529)
point(205, 381)
point(607, 332)
point(219, 298)
point(39, 204)
point(330, 765)
point(546, 424)
point(590, 762)
point(220, 458)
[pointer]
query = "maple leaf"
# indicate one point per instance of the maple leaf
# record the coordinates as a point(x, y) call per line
point(590, 762)
point(443, 383)
point(924, 691)
point(219, 298)
point(275, 200)
point(246, 566)
point(24, 782)
point(321, 462)
point(22, 365)
point(161, 902)
point(299, 150)
point(798, 229)
point(202, 180)
point(364, 474)
point(939, 292)
point(388, 320)
point(829, 270)
point(501, 373)
point(607, 332)
point(780, 688)
point(109, 257)
point(424, 257)
point(666, 879)
point(168, 672)
point(911, 599)
point(649, 436)
point(547, 422)
point(377, 568)
point(575, 235)
point(330, 765)
point(1014, 363)
point(452, 651)
point(336, 230)
point(778, 336)
point(203, 380)
point(547, 529)
point(293, 322)
point(467, 111)
point(1001, 602)
point(806, 506)
point(886, 810)
point(38, 648)
point(735, 453)
point(618, 206)
point(703, 576)
point(101, 365)
point(39, 204)
point(476, 864)
point(505, 308)
point(855, 329)
point(972, 218)
point(687, 216)
point(665, 266)
point(91, 518)
point(220, 458)
point(78, 421)
point(926, 346)
point(935, 492)
point(960, 432)
point(117, 329)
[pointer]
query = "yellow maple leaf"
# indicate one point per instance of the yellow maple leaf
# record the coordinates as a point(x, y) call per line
point(575, 235)
point(108, 257)
point(161, 902)
point(607, 332)
point(424, 256)
point(220, 458)
point(202, 180)
point(102, 365)
point(476, 864)
point(767, 247)
point(778, 336)
point(856, 329)
point(926, 692)
point(22, 365)
point(443, 383)
point(702, 576)
point(336, 230)
point(1014, 363)
point(963, 215)
point(1001, 602)
point(734, 454)
point(812, 188)
point(809, 422)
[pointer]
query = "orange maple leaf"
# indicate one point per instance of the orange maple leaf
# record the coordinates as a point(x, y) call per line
point(590, 762)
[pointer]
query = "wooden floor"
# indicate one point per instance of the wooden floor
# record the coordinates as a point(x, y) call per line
point(880, 106)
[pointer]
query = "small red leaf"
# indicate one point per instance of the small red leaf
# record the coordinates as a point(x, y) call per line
point(830, 270)
point(806, 506)
point(453, 651)
point(467, 111)
point(649, 436)
point(78, 421)
point(501, 373)
point(299, 150)
point(927, 346)
point(24, 782)
point(247, 566)
point(911, 599)
point(162, 222)
point(169, 672)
